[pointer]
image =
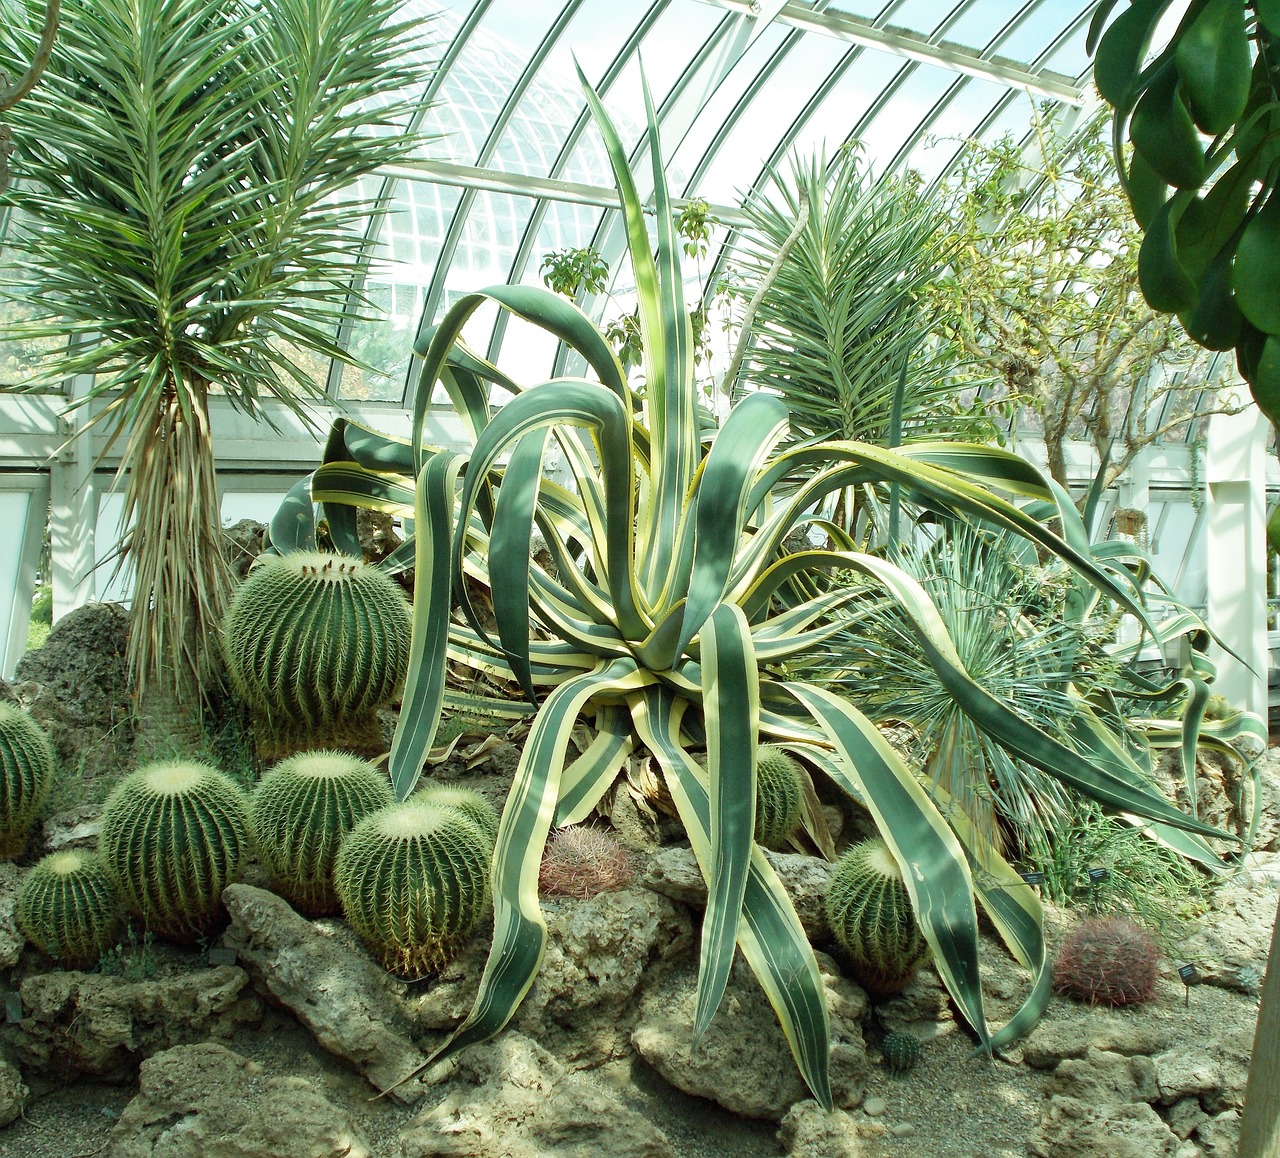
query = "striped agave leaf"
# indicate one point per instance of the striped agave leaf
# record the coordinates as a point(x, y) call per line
point(670, 620)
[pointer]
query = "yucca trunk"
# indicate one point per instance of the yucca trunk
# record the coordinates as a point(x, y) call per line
point(182, 583)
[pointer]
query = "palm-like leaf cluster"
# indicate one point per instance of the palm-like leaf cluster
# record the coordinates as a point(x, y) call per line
point(187, 177)
point(851, 317)
point(672, 617)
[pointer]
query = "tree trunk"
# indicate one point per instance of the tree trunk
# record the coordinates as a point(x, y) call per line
point(1260, 1128)
point(182, 582)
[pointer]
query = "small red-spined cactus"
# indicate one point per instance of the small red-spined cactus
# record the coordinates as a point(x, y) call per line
point(581, 861)
point(1108, 961)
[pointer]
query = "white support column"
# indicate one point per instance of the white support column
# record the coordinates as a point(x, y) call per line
point(1237, 563)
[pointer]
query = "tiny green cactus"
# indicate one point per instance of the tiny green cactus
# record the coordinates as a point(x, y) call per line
point(68, 909)
point(299, 813)
point(413, 880)
point(779, 796)
point(870, 914)
point(26, 775)
point(317, 642)
point(173, 834)
point(901, 1051)
point(467, 801)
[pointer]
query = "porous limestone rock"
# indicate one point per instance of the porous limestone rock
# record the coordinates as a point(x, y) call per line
point(808, 1131)
point(204, 1101)
point(319, 972)
point(509, 1096)
point(674, 873)
point(11, 938)
point(1230, 944)
point(1102, 1077)
point(13, 1093)
point(585, 1001)
point(76, 687)
point(90, 1023)
point(1069, 1030)
point(1215, 1071)
point(584, 1004)
point(1070, 1128)
point(743, 1061)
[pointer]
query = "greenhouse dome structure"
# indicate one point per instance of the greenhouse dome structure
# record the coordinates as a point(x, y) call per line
point(511, 170)
point(818, 455)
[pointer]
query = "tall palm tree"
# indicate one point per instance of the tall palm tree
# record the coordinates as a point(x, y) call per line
point(186, 171)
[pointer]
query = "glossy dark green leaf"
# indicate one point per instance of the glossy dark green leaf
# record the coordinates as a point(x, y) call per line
point(1165, 282)
point(1214, 63)
point(1265, 383)
point(1214, 321)
point(1211, 222)
point(1256, 276)
point(1122, 48)
point(1268, 13)
point(1163, 132)
point(1096, 25)
point(1147, 190)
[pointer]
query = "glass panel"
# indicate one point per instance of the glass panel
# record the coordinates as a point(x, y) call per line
point(406, 255)
point(483, 75)
point(1027, 42)
point(15, 507)
point(769, 115)
point(980, 22)
point(808, 61)
point(549, 108)
point(898, 120)
point(1071, 59)
point(666, 51)
point(956, 121)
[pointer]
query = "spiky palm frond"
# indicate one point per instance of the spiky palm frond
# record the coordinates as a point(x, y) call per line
point(187, 174)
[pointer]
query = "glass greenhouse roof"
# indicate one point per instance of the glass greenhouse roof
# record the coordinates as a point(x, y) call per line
point(513, 169)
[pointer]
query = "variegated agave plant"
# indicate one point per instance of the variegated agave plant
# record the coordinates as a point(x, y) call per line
point(670, 619)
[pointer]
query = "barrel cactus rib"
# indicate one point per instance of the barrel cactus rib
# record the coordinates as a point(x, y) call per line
point(173, 835)
point(314, 638)
point(26, 776)
point(870, 914)
point(413, 880)
point(300, 812)
point(68, 909)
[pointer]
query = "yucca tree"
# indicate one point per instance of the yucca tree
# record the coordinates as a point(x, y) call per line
point(851, 316)
point(186, 172)
point(670, 620)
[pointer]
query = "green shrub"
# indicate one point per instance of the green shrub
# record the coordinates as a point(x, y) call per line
point(68, 909)
point(173, 834)
point(870, 914)
point(298, 815)
point(26, 775)
point(413, 880)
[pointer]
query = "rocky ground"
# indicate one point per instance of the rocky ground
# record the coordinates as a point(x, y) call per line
point(283, 1039)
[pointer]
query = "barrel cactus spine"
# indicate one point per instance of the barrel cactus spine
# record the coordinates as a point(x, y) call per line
point(414, 881)
point(901, 1051)
point(779, 796)
point(314, 643)
point(467, 801)
point(298, 814)
point(68, 909)
point(26, 776)
point(173, 835)
point(870, 914)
